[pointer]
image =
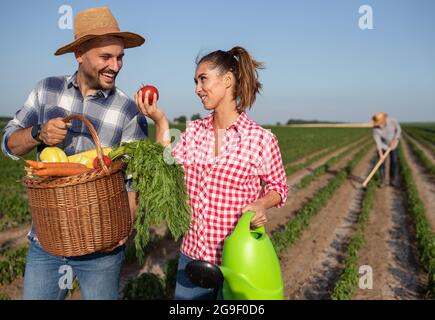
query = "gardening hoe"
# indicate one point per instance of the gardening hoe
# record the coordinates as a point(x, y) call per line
point(380, 162)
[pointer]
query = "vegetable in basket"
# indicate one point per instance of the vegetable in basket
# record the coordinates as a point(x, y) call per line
point(54, 169)
point(53, 154)
point(87, 157)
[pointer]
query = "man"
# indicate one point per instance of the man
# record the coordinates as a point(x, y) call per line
point(386, 133)
point(99, 49)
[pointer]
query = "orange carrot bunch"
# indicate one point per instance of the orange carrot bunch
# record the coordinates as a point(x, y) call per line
point(55, 169)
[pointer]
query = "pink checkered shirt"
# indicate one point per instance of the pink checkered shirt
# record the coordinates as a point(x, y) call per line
point(219, 187)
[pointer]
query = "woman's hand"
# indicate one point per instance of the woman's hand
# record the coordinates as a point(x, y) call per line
point(157, 115)
point(260, 213)
point(149, 110)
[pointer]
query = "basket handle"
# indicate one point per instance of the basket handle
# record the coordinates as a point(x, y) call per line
point(94, 137)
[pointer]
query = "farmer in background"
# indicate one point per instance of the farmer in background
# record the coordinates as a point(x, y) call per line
point(226, 158)
point(386, 133)
point(99, 49)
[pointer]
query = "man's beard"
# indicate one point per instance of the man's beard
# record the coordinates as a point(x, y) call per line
point(94, 81)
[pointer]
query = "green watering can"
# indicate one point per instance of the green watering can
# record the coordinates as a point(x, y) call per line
point(250, 268)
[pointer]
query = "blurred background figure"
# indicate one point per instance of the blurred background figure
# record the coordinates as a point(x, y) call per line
point(386, 133)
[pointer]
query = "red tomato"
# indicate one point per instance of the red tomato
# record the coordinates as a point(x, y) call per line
point(151, 90)
point(96, 162)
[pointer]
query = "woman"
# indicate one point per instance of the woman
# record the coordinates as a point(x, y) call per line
point(226, 158)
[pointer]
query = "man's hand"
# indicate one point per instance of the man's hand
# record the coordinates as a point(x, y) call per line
point(120, 243)
point(54, 131)
point(393, 144)
point(260, 213)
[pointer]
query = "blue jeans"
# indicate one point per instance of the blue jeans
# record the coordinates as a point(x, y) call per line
point(394, 166)
point(185, 289)
point(48, 277)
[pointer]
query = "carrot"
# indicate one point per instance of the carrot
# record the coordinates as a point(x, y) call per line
point(60, 165)
point(35, 164)
point(60, 171)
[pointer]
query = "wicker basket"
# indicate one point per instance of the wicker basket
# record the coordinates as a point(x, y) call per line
point(81, 214)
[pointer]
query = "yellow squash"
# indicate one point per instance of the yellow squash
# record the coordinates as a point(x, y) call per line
point(87, 157)
point(53, 154)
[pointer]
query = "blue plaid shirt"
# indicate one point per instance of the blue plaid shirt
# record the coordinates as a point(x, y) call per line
point(113, 114)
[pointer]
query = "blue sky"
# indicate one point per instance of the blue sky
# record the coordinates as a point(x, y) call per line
point(319, 63)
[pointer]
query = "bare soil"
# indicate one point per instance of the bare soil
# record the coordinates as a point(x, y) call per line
point(424, 182)
point(313, 264)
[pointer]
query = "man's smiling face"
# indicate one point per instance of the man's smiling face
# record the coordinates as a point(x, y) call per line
point(101, 60)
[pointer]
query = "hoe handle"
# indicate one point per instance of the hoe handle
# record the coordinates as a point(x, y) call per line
point(380, 162)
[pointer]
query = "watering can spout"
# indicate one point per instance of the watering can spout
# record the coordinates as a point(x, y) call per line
point(236, 286)
point(228, 274)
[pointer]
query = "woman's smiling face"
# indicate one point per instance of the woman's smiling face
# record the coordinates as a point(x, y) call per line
point(211, 86)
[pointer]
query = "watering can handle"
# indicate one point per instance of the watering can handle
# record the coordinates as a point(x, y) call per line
point(245, 223)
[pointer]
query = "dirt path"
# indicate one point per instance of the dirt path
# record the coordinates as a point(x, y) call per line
point(313, 264)
point(424, 182)
point(15, 237)
point(305, 158)
point(155, 261)
point(295, 177)
point(391, 251)
point(425, 150)
point(277, 218)
point(14, 290)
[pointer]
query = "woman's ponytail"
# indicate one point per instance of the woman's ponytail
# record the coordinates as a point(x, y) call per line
point(247, 84)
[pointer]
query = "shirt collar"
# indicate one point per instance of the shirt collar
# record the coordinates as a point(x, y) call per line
point(207, 122)
point(241, 125)
point(72, 81)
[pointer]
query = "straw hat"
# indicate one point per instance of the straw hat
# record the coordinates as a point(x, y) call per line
point(95, 22)
point(379, 118)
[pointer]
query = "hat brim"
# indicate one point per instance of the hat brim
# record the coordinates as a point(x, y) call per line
point(130, 39)
point(378, 123)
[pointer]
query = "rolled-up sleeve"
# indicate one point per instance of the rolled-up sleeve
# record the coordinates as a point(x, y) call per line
point(377, 139)
point(26, 117)
point(8, 130)
point(398, 130)
point(272, 170)
point(184, 145)
point(178, 151)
